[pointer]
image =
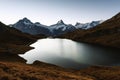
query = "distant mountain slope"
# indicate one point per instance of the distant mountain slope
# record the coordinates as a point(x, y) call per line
point(106, 34)
point(87, 25)
point(26, 26)
point(60, 28)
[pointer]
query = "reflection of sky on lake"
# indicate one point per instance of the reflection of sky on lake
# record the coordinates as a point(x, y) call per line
point(64, 52)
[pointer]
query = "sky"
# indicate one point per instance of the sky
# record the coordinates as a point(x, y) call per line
point(50, 11)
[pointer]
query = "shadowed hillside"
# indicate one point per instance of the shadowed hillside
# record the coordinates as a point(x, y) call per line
point(102, 73)
point(13, 42)
point(21, 71)
point(14, 36)
point(106, 34)
point(43, 71)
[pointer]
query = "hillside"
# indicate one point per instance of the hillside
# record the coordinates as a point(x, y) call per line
point(20, 71)
point(13, 42)
point(14, 36)
point(43, 71)
point(106, 34)
point(102, 73)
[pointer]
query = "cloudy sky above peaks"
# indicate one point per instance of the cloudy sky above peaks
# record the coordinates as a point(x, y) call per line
point(50, 11)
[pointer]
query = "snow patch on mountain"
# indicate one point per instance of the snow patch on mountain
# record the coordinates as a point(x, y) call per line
point(87, 25)
point(26, 26)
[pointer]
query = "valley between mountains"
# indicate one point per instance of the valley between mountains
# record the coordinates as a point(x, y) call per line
point(16, 38)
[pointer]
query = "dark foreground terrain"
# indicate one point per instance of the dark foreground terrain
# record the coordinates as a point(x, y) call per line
point(21, 71)
point(43, 71)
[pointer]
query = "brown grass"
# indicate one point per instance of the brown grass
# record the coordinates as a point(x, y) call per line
point(43, 71)
point(21, 71)
point(102, 73)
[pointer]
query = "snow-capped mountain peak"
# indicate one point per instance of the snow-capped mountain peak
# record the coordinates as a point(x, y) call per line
point(37, 23)
point(77, 23)
point(60, 22)
point(25, 25)
point(25, 21)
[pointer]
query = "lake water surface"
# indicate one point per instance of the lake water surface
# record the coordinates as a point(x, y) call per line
point(71, 54)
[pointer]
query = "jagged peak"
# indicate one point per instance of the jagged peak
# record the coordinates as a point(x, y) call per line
point(78, 23)
point(37, 22)
point(60, 22)
point(25, 21)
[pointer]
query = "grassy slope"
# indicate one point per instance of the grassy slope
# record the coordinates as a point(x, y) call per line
point(106, 34)
point(21, 71)
point(102, 73)
point(43, 71)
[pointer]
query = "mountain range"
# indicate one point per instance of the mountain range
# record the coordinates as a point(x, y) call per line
point(26, 26)
point(106, 33)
